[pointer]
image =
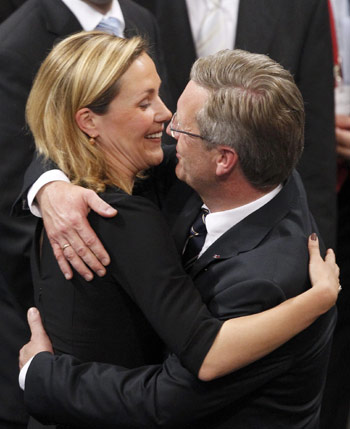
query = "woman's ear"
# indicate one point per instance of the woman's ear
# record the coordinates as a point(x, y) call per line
point(226, 161)
point(85, 121)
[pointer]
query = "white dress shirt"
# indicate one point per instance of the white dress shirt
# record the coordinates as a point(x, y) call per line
point(23, 374)
point(197, 11)
point(89, 17)
point(219, 222)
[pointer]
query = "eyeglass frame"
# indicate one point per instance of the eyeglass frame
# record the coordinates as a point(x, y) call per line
point(187, 133)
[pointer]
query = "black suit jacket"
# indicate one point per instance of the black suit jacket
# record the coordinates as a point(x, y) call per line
point(26, 37)
point(255, 265)
point(144, 297)
point(296, 34)
point(7, 7)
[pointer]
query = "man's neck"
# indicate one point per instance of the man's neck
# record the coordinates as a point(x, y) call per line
point(102, 8)
point(229, 197)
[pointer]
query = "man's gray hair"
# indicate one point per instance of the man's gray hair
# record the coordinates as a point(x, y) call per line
point(255, 107)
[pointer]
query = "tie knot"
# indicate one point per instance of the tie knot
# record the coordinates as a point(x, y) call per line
point(111, 25)
point(213, 4)
point(199, 227)
point(195, 240)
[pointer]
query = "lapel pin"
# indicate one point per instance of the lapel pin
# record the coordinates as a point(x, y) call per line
point(216, 256)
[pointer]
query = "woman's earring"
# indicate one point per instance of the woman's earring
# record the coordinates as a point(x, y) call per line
point(92, 141)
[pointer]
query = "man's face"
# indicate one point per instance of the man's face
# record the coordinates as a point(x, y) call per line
point(195, 162)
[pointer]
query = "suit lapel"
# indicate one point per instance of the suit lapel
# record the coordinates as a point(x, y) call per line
point(131, 29)
point(59, 19)
point(248, 233)
point(256, 24)
point(184, 221)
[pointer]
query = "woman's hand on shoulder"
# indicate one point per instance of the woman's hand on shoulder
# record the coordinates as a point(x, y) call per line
point(324, 273)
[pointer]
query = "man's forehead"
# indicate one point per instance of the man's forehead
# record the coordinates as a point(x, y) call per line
point(194, 91)
point(191, 100)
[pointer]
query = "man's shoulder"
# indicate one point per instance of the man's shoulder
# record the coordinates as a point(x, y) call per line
point(134, 7)
point(278, 228)
point(138, 14)
point(246, 280)
point(263, 260)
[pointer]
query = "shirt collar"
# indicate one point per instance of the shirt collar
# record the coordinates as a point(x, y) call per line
point(219, 222)
point(89, 18)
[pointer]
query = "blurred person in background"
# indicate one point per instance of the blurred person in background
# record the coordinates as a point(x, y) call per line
point(336, 402)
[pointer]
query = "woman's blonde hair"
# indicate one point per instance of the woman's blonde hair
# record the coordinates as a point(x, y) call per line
point(83, 70)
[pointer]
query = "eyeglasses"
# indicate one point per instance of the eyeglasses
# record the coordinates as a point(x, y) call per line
point(174, 129)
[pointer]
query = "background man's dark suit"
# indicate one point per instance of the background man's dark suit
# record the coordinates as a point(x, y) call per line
point(296, 34)
point(7, 7)
point(12, 330)
point(25, 39)
point(255, 265)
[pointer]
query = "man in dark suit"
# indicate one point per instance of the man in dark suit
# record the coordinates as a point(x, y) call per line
point(296, 34)
point(239, 130)
point(26, 38)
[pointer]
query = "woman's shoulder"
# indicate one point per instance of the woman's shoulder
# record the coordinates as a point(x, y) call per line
point(137, 219)
point(117, 197)
point(113, 195)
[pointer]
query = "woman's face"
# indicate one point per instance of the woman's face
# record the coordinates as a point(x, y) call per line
point(130, 132)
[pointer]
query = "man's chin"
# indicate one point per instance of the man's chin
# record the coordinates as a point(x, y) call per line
point(180, 173)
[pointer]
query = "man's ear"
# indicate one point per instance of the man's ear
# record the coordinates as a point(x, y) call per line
point(226, 160)
point(85, 120)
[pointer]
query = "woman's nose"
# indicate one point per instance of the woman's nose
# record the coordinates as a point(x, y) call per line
point(163, 114)
point(169, 132)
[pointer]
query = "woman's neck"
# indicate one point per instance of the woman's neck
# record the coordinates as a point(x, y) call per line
point(121, 177)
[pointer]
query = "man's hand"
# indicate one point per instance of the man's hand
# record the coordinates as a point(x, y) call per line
point(342, 134)
point(64, 209)
point(39, 341)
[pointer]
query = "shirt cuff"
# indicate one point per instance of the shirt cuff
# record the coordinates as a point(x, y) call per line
point(44, 179)
point(23, 374)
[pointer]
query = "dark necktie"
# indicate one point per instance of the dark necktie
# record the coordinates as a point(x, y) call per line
point(195, 240)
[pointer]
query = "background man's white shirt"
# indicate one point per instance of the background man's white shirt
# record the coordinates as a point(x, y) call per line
point(197, 10)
